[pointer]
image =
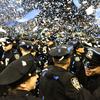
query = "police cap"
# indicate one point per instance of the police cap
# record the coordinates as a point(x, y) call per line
point(17, 70)
point(27, 45)
point(59, 51)
point(7, 41)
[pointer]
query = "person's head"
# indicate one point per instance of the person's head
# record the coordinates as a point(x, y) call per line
point(93, 57)
point(61, 56)
point(25, 47)
point(7, 44)
point(20, 74)
point(30, 83)
point(79, 49)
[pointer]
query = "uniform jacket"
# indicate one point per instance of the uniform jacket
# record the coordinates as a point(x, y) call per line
point(97, 93)
point(19, 95)
point(8, 57)
point(58, 84)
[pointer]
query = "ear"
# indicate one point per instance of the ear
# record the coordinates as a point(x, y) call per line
point(23, 85)
point(68, 60)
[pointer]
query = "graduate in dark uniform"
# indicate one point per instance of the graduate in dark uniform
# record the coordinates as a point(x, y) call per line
point(93, 70)
point(8, 54)
point(77, 57)
point(25, 47)
point(77, 64)
point(57, 83)
point(20, 78)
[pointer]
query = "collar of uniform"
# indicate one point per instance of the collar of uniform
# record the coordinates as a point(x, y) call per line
point(54, 70)
point(59, 68)
point(9, 51)
point(20, 92)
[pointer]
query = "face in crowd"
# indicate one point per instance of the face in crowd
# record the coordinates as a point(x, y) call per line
point(7, 47)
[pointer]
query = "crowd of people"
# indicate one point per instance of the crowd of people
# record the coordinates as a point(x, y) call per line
point(32, 68)
point(58, 16)
point(56, 56)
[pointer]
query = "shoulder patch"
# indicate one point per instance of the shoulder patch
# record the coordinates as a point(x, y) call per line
point(6, 61)
point(24, 63)
point(77, 59)
point(76, 83)
point(17, 56)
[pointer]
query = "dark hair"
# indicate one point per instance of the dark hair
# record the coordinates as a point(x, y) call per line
point(63, 61)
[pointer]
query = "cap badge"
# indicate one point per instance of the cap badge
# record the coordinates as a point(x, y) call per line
point(76, 83)
point(24, 63)
point(77, 59)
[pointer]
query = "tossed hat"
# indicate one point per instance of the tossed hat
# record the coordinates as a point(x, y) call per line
point(17, 70)
point(59, 52)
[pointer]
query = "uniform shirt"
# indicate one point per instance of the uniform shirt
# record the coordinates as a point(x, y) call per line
point(77, 68)
point(8, 57)
point(76, 63)
point(93, 83)
point(58, 84)
point(97, 93)
point(19, 95)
